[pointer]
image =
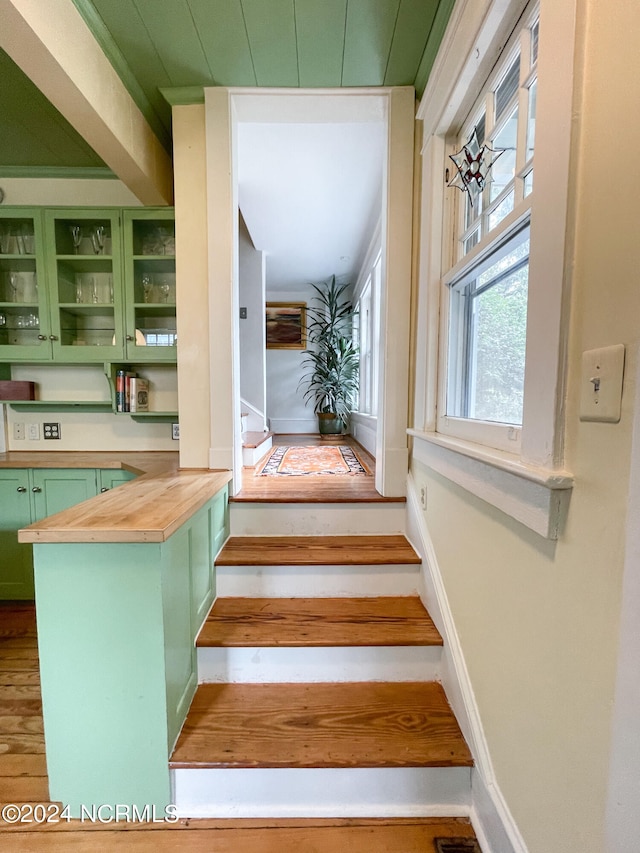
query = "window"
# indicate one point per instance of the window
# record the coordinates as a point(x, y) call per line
point(485, 270)
point(487, 336)
point(486, 290)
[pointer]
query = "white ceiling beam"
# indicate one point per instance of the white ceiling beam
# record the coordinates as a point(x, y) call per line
point(50, 42)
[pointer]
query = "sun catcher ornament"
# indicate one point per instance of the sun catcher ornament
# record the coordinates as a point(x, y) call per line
point(473, 163)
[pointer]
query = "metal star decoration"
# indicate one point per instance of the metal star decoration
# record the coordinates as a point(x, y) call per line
point(473, 163)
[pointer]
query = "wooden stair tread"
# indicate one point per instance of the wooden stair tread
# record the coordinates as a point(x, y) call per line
point(364, 724)
point(295, 622)
point(317, 551)
point(252, 440)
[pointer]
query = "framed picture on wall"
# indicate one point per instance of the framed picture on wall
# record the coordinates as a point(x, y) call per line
point(286, 325)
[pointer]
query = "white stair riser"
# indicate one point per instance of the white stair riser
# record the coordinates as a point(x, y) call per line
point(317, 793)
point(310, 664)
point(309, 519)
point(252, 455)
point(316, 581)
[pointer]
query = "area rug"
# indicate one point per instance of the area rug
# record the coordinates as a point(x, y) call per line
point(310, 461)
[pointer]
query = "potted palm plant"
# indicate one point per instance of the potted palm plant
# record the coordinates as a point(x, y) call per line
point(331, 361)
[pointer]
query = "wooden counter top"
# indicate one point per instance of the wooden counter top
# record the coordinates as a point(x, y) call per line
point(147, 509)
point(137, 463)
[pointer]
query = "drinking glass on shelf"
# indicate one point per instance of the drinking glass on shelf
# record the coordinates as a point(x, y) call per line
point(28, 239)
point(79, 294)
point(97, 239)
point(5, 237)
point(76, 236)
point(164, 290)
point(147, 287)
point(94, 289)
point(3, 318)
point(14, 281)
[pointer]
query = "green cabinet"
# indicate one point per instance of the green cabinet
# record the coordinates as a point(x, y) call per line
point(87, 284)
point(16, 560)
point(110, 478)
point(30, 494)
point(150, 284)
point(83, 250)
point(25, 326)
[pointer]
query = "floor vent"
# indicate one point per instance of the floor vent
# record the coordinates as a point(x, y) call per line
point(457, 845)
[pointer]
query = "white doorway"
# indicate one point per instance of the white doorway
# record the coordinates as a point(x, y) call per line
point(265, 115)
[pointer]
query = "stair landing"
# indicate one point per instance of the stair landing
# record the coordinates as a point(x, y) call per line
point(350, 725)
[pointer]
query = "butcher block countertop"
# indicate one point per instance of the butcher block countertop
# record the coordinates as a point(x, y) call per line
point(149, 508)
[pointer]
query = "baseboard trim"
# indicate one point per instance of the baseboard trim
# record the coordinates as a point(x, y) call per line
point(491, 818)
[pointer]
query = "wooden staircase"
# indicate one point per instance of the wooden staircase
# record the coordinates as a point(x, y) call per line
point(319, 693)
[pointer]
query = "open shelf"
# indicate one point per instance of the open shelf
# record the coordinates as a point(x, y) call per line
point(60, 405)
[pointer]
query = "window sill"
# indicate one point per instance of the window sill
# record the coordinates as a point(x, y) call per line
point(535, 496)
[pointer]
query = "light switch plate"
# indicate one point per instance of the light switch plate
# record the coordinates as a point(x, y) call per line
point(601, 384)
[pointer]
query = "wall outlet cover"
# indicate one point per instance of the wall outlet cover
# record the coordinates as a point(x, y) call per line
point(51, 431)
point(18, 431)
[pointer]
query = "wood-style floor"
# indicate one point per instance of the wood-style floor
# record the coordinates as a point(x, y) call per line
point(23, 781)
point(319, 488)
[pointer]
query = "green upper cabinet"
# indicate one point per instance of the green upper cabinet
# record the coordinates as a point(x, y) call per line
point(25, 327)
point(84, 274)
point(87, 285)
point(150, 284)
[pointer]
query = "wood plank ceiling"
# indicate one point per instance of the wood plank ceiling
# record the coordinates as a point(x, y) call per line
point(160, 44)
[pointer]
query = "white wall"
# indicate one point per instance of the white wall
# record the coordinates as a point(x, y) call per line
point(286, 409)
point(251, 275)
point(539, 621)
point(93, 430)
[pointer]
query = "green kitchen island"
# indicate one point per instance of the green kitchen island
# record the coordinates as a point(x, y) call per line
point(123, 582)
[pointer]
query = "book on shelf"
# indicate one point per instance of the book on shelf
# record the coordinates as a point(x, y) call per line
point(139, 396)
point(132, 392)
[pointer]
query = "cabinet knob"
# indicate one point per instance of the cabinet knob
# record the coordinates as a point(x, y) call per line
point(21, 489)
point(104, 489)
point(53, 337)
point(42, 337)
point(36, 489)
point(130, 338)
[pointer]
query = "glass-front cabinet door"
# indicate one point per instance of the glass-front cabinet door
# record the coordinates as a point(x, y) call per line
point(85, 287)
point(150, 284)
point(24, 317)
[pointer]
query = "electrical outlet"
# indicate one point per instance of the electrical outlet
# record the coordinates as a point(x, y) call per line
point(33, 432)
point(18, 432)
point(51, 430)
point(175, 431)
point(423, 497)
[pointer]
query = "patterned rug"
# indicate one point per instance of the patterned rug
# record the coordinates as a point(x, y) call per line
point(310, 461)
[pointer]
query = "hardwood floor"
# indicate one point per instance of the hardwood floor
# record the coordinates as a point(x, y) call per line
point(313, 489)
